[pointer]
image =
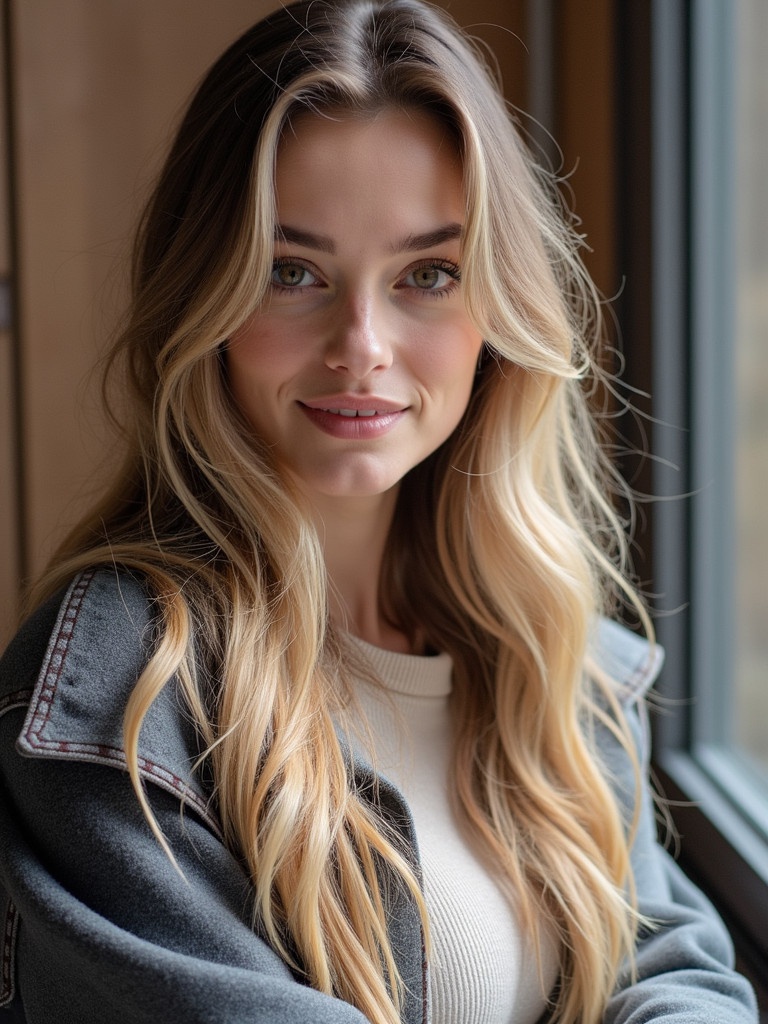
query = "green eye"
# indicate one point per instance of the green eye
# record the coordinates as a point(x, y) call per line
point(292, 275)
point(433, 278)
point(428, 277)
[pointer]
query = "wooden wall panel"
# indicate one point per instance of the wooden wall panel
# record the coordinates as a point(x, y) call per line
point(500, 26)
point(585, 123)
point(5, 224)
point(97, 86)
point(9, 546)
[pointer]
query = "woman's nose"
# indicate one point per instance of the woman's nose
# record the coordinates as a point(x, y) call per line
point(360, 341)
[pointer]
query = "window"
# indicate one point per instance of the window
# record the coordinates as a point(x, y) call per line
point(709, 274)
point(750, 725)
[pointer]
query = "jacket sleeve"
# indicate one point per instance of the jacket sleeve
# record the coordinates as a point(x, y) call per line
point(99, 925)
point(684, 955)
point(110, 931)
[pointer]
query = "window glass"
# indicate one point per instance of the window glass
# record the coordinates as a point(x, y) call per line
point(750, 651)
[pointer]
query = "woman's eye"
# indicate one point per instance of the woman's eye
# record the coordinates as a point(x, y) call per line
point(292, 275)
point(433, 277)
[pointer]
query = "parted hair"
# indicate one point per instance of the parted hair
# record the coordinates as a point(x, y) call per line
point(504, 548)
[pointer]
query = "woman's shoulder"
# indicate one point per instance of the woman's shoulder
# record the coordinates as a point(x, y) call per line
point(96, 629)
point(628, 659)
point(72, 667)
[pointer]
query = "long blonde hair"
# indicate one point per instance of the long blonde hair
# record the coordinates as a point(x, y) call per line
point(512, 553)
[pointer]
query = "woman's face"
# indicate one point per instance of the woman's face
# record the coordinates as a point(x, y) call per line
point(361, 359)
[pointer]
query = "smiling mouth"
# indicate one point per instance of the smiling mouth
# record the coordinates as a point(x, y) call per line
point(346, 424)
point(351, 413)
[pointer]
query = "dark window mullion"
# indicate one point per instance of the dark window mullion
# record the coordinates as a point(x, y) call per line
point(671, 357)
point(713, 330)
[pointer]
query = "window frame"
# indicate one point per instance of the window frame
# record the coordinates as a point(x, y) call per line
point(718, 808)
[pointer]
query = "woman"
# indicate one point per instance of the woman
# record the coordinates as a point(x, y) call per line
point(340, 614)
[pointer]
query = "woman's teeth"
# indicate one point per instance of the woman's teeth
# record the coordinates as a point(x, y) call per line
point(352, 412)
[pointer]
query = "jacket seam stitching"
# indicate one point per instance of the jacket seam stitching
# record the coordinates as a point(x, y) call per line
point(56, 659)
point(10, 931)
point(112, 757)
point(41, 707)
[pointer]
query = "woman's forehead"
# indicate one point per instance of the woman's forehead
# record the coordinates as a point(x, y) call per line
point(401, 165)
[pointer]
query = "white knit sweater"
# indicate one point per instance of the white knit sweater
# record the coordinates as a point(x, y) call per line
point(481, 969)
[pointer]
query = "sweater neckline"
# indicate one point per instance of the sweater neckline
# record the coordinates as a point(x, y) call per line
point(413, 675)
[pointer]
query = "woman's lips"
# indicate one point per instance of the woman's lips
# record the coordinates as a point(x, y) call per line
point(350, 421)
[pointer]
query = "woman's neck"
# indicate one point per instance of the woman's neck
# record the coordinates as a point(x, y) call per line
point(353, 534)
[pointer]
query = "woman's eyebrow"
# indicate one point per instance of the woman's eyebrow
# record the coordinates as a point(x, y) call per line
point(307, 239)
point(415, 243)
point(410, 243)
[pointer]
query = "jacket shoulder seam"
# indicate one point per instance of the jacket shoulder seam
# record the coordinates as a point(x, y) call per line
point(44, 693)
point(32, 740)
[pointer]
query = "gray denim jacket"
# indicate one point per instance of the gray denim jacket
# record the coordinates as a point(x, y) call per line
point(99, 927)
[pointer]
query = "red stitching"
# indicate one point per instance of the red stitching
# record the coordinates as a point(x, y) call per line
point(59, 650)
point(90, 751)
point(7, 991)
point(155, 773)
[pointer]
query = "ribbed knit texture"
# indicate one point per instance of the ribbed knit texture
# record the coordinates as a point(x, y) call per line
point(480, 970)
